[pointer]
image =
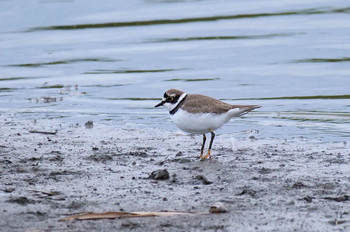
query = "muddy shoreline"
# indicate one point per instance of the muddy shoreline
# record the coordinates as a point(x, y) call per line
point(266, 184)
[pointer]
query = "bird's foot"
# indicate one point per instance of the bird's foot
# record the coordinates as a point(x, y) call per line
point(208, 155)
point(201, 156)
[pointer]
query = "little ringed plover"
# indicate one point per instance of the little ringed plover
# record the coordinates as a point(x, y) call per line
point(199, 114)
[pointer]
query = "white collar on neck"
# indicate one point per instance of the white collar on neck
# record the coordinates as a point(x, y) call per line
point(178, 102)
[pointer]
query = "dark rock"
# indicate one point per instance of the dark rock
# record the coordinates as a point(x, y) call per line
point(308, 199)
point(250, 192)
point(203, 179)
point(179, 154)
point(9, 190)
point(252, 137)
point(6, 161)
point(161, 174)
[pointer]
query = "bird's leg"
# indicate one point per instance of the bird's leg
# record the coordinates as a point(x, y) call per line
point(211, 143)
point(204, 138)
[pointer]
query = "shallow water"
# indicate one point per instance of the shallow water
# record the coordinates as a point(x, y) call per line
point(112, 61)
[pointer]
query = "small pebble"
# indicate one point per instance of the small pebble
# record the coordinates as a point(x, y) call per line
point(89, 124)
point(161, 174)
point(179, 154)
point(218, 207)
point(203, 179)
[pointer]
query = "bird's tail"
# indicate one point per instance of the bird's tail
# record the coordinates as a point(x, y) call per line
point(240, 110)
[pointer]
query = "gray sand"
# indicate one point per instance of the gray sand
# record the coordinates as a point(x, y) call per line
point(267, 185)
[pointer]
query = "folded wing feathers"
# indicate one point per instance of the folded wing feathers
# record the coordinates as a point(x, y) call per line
point(210, 105)
point(243, 109)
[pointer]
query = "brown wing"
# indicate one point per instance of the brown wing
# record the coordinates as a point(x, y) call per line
point(195, 103)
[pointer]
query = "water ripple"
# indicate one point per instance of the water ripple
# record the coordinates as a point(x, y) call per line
point(103, 71)
point(188, 20)
point(223, 37)
point(193, 79)
point(69, 61)
point(323, 60)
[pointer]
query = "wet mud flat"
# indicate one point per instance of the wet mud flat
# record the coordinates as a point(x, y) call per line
point(49, 170)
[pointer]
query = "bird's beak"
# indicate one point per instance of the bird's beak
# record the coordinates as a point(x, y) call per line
point(160, 104)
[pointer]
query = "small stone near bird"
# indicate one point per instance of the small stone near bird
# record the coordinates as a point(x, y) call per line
point(161, 174)
point(204, 180)
point(218, 207)
point(89, 124)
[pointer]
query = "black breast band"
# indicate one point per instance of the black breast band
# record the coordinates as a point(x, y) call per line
point(173, 111)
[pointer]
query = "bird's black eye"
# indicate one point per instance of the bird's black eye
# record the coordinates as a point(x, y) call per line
point(169, 99)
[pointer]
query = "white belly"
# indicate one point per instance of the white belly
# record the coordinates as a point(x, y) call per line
point(199, 123)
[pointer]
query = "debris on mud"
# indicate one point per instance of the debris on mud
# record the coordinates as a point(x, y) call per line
point(337, 222)
point(338, 199)
point(112, 215)
point(43, 132)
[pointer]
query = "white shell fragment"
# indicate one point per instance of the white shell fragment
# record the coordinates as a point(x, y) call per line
point(218, 207)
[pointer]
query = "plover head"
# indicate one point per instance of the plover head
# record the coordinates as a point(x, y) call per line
point(171, 99)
